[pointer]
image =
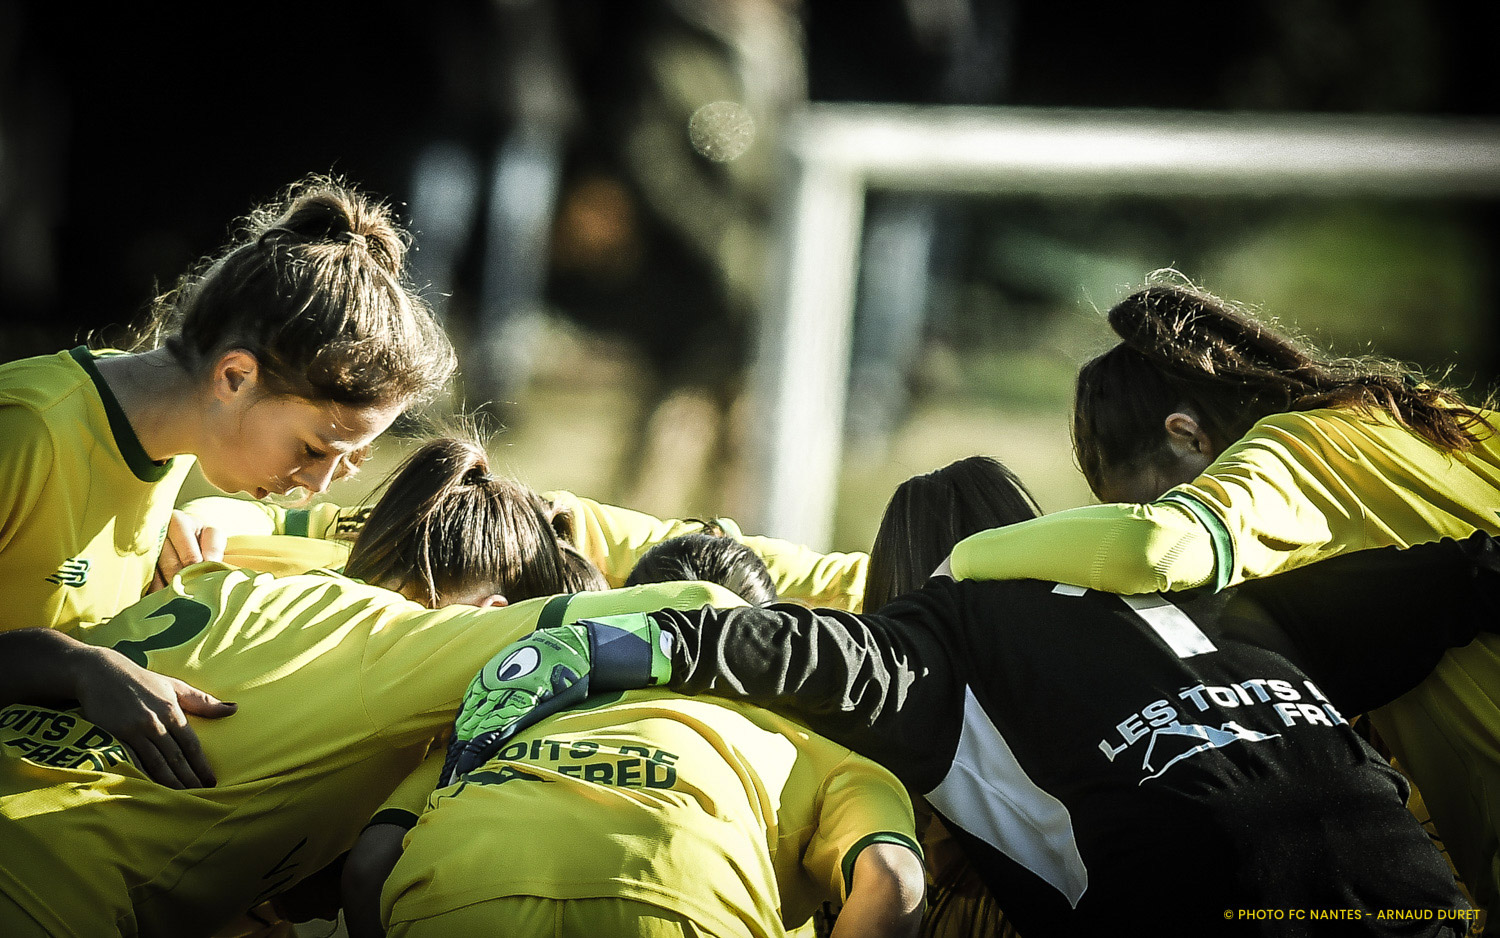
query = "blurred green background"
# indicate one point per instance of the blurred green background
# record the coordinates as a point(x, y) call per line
point(602, 278)
point(996, 363)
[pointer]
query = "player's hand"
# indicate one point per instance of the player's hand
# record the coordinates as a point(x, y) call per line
point(542, 673)
point(188, 541)
point(548, 671)
point(148, 712)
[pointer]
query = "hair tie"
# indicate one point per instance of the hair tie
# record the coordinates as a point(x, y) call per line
point(477, 476)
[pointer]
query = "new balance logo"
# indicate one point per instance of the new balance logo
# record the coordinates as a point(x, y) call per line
point(73, 572)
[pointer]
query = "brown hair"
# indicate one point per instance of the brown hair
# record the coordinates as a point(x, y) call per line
point(579, 573)
point(712, 558)
point(314, 286)
point(929, 514)
point(1183, 347)
point(446, 525)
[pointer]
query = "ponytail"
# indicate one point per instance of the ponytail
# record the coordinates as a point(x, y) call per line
point(315, 287)
point(446, 525)
point(1183, 347)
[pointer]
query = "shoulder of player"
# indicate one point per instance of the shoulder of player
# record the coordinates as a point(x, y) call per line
point(43, 382)
point(1325, 424)
point(221, 578)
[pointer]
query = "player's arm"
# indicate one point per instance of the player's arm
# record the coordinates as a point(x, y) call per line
point(864, 847)
point(378, 849)
point(241, 516)
point(285, 554)
point(886, 895)
point(1117, 548)
point(852, 678)
point(235, 516)
point(803, 575)
point(614, 538)
point(142, 709)
point(858, 679)
point(1272, 501)
point(1371, 625)
point(365, 872)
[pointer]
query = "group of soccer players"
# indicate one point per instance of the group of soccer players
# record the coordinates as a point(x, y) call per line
point(1082, 748)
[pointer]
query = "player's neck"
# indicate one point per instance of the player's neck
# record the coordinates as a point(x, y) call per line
point(158, 398)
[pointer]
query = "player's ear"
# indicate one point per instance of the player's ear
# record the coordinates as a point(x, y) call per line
point(1185, 435)
point(236, 373)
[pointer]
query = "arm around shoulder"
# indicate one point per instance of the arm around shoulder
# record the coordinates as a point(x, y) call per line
point(1115, 548)
point(235, 516)
point(379, 848)
point(614, 538)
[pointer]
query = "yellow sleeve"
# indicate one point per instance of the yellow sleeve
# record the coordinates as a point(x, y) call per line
point(1114, 548)
point(26, 463)
point(1297, 488)
point(862, 804)
point(1304, 486)
point(243, 516)
point(615, 538)
point(283, 555)
point(409, 800)
point(235, 515)
point(832, 581)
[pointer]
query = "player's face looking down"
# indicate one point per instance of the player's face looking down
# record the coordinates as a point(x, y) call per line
point(264, 443)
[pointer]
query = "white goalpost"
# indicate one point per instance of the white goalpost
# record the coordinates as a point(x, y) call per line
point(837, 152)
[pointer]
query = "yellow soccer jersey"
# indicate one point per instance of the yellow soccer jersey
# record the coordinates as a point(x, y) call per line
point(408, 801)
point(1299, 487)
point(734, 816)
point(83, 509)
point(340, 686)
point(1296, 488)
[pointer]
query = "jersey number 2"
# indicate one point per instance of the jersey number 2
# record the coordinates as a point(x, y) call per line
point(188, 620)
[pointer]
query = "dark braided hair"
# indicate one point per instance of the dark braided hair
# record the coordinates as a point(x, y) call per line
point(1183, 347)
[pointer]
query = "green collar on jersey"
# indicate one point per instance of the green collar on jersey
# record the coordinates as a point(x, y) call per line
point(142, 465)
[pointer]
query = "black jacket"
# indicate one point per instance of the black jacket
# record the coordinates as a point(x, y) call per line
point(1110, 761)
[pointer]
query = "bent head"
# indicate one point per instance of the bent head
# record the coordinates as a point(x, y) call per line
point(929, 514)
point(447, 530)
point(1191, 375)
point(306, 338)
point(712, 558)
